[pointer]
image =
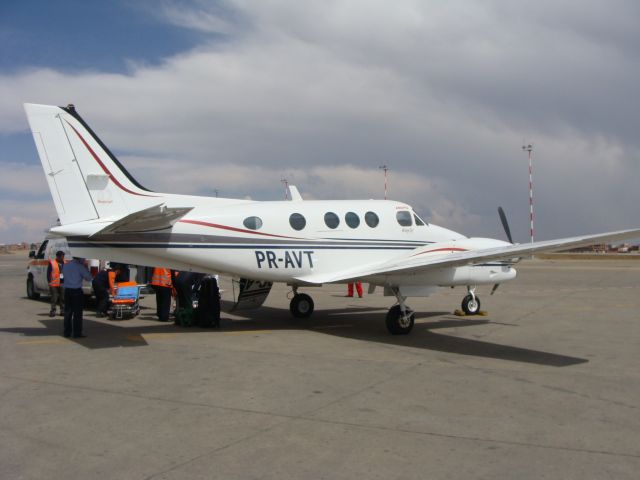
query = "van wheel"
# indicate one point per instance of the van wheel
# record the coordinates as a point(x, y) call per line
point(31, 289)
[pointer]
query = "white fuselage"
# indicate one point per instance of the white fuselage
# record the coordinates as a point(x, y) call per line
point(261, 241)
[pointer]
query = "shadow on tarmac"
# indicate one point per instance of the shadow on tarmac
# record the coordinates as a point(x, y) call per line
point(359, 323)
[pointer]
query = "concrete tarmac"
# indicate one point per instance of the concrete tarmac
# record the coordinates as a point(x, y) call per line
point(547, 385)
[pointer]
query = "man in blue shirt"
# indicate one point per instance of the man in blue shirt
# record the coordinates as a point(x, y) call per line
point(74, 272)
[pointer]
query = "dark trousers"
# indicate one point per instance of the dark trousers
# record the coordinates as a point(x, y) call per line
point(163, 302)
point(184, 296)
point(208, 313)
point(102, 298)
point(73, 303)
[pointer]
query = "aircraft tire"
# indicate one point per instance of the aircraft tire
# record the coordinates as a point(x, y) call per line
point(470, 306)
point(31, 289)
point(396, 324)
point(301, 305)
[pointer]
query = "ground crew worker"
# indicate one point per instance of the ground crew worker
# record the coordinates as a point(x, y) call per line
point(74, 272)
point(161, 283)
point(358, 289)
point(103, 285)
point(56, 279)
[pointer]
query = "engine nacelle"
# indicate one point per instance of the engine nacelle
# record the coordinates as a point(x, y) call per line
point(456, 276)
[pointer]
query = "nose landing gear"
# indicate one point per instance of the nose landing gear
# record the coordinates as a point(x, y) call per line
point(301, 305)
point(471, 303)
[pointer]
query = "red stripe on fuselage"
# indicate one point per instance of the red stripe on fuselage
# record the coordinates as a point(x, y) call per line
point(445, 249)
point(104, 168)
point(234, 229)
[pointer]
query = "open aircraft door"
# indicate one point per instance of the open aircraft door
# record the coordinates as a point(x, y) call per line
point(249, 294)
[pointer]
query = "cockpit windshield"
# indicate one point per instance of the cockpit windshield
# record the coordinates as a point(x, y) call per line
point(418, 220)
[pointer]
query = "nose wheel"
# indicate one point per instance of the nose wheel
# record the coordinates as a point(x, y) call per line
point(471, 303)
point(301, 305)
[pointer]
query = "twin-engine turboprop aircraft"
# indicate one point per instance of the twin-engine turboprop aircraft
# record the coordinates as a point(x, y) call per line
point(105, 213)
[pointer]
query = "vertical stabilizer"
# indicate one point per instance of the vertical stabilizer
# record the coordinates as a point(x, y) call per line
point(85, 179)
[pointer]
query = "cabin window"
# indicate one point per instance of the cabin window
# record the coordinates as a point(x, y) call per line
point(418, 220)
point(331, 220)
point(252, 223)
point(404, 218)
point(352, 219)
point(42, 250)
point(297, 221)
point(371, 219)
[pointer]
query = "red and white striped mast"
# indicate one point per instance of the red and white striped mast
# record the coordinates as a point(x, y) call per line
point(529, 148)
point(385, 168)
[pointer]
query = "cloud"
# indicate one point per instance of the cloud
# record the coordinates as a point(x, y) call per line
point(22, 180)
point(325, 92)
point(25, 220)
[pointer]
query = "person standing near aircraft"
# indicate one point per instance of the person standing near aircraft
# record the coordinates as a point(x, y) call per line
point(358, 289)
point(161, 283)
point(74, 272)
point(56, 279)
point(103, 286)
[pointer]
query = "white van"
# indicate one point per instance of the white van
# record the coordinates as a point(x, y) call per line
point(37, 283)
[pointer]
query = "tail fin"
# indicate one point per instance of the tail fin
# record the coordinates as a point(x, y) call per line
point(86, 181)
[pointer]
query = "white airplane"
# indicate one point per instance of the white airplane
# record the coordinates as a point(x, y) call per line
point(105, 213)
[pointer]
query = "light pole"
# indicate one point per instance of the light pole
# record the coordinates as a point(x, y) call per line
point(529, 148)
point(385, 168)
point(285, 182)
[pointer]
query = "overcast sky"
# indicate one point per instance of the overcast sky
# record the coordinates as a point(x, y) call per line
point(194, 96)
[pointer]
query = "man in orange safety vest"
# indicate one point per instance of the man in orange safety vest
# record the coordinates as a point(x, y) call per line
point(161, 283)
point(56, 279)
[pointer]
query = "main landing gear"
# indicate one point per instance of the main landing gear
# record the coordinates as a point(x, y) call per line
point(471, 303)
point(301, 305)
point(400, 318)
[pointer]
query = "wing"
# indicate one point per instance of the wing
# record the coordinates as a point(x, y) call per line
point(424, 258)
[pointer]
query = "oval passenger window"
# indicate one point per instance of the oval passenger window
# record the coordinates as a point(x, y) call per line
point(352, 219)
point(252, 223)
point(297, 221)
point(331, 220)
point(371, 219)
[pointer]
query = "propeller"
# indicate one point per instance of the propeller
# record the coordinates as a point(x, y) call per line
point(505, 224)
point(507, 230)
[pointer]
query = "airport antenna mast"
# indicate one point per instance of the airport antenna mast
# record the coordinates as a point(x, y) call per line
point(386, 169)
point(529, 148)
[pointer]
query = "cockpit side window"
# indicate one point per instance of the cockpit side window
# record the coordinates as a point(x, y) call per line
point(404, 218)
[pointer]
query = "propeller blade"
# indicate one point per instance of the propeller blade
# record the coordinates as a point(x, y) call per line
point(505, 224)
point(495, 287)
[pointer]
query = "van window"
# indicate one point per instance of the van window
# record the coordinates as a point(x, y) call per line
point(42, 250)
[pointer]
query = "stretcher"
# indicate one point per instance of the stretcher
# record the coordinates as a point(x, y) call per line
point(125, 302)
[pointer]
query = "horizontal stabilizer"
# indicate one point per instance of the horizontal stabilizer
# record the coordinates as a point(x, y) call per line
point(158, 217)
